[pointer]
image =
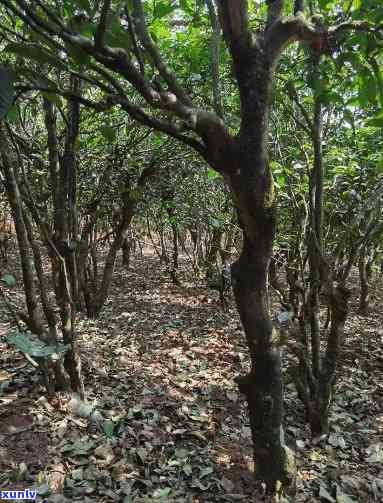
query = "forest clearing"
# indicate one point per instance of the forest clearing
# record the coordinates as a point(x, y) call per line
point(191, 250)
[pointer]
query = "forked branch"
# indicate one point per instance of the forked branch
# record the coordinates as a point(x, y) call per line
point(234, 20)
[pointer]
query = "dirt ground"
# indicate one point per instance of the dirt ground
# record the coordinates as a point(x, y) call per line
point(164, 420)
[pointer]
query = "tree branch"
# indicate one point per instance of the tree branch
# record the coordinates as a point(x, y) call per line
point(101, 27)
point(298, 28)
point(215, 50)
point(287, 30)
point(20, 13)
point(97, 105)
point(132, 32)
point(167, 127)
point(207, 125)
point(305, 115)
point(37, 20)
point(165, 72)
point(363, 26)
point(114, 59)
point(51, 15)
point(234, 19)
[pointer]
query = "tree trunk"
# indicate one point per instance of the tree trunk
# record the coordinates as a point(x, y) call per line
point(214, 248)
point(15, 203)
point(164, 254)
point(174, 266)
point(53, 373)
point(253, 194)
point(263, 386)
point(63, 174)
point(247, 172)
point(121, 233)
point(126, 248)
point(364, 286)
point(316, 232)
point(338, 302)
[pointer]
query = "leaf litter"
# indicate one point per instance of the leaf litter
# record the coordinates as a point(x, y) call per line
point(163, 419)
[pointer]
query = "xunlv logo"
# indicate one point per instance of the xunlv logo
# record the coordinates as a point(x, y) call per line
point(26, 494)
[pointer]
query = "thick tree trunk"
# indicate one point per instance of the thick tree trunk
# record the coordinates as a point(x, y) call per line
point(263, 386)
point(253, 194)
point(248, 175)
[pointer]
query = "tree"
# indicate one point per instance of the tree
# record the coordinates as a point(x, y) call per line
point(329, 227)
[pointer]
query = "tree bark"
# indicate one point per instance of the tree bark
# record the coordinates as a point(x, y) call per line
point(252, 188)
point(126, 250)
point(214, 249)
point(363, 279)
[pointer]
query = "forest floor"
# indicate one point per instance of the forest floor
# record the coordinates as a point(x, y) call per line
point(164, 420)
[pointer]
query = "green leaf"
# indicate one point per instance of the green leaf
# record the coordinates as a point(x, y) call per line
point(181, 453)
point(32, 345)
point(117, 36)
point(162, 493)
point(163, 8)
point(9, 280)
point(205, 471)
point(187, 6)
point(78, 447)
point(376, 122)
point(84, 4)
point(213, 174)
point(281, 181)
point(53, 98)
point(331, 97)
point(78, 55)
point(13, 114)
point(344, 498)
point(357, 4)
point(379, 166)
point(159, 30)
point(187, 469)
point(43, 490)
point(7, 78)
point(324, 3)
point(368, 90)
point(109, 427)
point(108, 133)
